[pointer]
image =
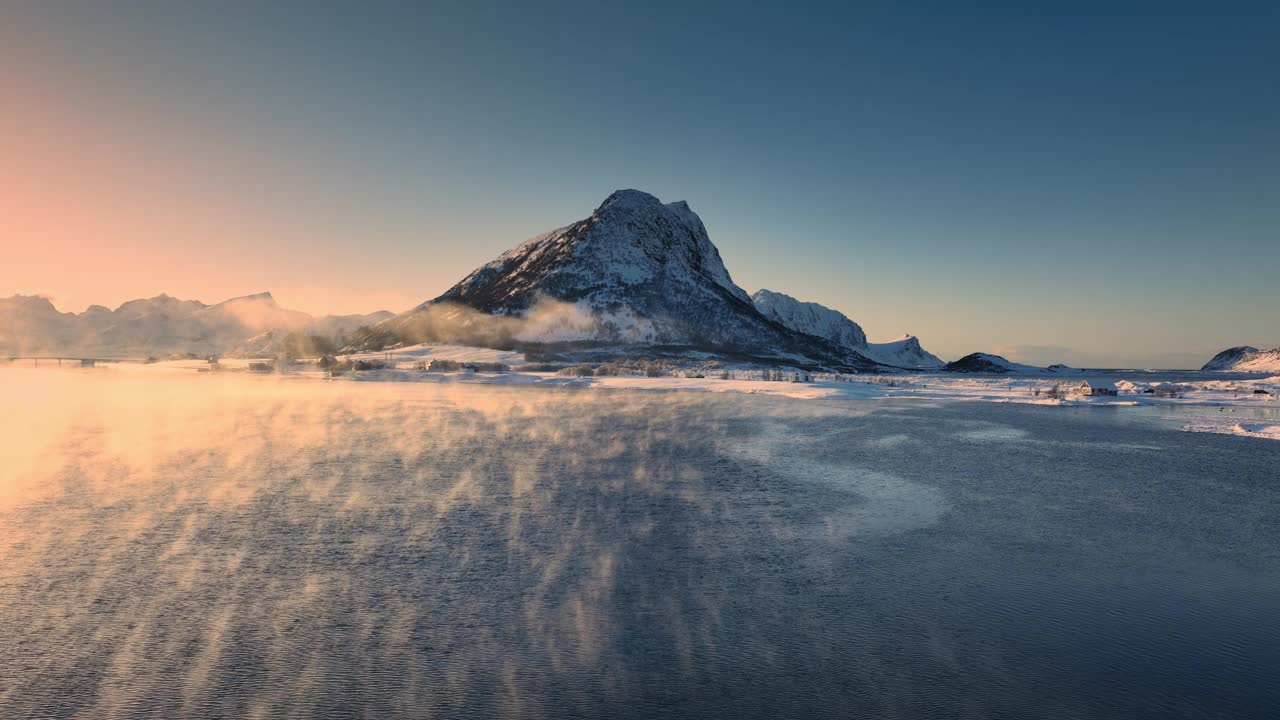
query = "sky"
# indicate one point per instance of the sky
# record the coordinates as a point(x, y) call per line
point(1089, 183)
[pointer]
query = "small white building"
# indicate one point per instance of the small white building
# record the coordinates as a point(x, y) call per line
point(1097, 387)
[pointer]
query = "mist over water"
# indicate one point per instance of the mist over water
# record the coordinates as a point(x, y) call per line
point(187, 546)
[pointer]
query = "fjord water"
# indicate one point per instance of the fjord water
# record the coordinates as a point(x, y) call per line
point(182, 546)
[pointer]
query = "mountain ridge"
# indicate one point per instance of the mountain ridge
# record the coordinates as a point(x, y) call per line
point(161, 324)
point(635, 274)
point(834, 326)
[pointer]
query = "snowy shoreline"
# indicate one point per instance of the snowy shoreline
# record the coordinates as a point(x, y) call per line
point(1248, 407)
point(1222, 398)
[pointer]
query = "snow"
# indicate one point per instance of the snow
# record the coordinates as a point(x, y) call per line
point(903, 352)
point(456, 353)
point(630, 239)
point(1245, 407)
point(1203, 401)
point(1268, 362)
point(811, 318)
point(834, 326)
point(1268, 430)
point(1246, 359)
point(1021, 390)
point(1261, 429)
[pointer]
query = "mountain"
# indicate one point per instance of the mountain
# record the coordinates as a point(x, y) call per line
point(637, 275)
point(28, 321)
point(835, 327)
point(903, 352)
point(811, 318)
point(336, 325)
point(158, 325)
point(997, 365)
point(164, 324)
point(988, 363)
point(1246, 359)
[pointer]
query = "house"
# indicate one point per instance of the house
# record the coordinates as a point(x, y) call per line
point(1097, 387)
point(470, 368)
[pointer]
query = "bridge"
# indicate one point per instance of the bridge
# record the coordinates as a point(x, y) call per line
point(81, 361)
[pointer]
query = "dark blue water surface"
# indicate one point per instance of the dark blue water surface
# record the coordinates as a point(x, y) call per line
point(234, 548)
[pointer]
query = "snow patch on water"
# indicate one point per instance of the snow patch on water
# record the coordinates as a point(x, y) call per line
point(886, 503)
point(1232, 426)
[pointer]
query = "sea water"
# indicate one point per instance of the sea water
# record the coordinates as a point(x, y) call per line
point(184, 546)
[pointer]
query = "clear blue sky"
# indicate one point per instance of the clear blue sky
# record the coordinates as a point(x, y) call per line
point(1091, 183)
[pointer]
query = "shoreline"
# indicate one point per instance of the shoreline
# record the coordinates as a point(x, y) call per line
point(1245, 407)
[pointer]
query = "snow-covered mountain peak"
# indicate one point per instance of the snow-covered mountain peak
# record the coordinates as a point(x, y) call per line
point(906, 342)
point(769, 296)
point(635, 272)
point(632, 239)
point(627, 200)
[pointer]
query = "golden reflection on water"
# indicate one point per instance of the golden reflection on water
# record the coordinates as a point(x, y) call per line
point(216, 518)
point(196, 508)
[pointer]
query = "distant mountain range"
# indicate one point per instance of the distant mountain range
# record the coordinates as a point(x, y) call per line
point(252, 325)
point(1245, 359)
point(638, 277)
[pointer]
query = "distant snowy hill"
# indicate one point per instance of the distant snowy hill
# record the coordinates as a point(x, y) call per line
point(1246, 359)
point(336, 325)
point(903, 352)
point(996, 365)
point(637, 274)
point(27, 321)
point(834, 326)
point(159, 325)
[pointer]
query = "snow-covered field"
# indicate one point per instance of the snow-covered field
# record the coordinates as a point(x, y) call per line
point(1248, 406)
point(1209, 405)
